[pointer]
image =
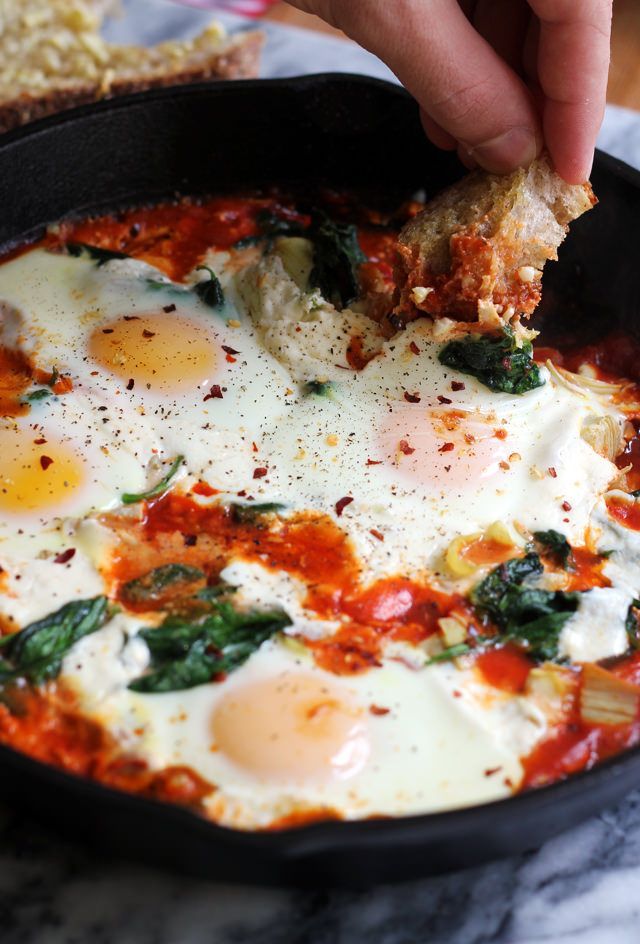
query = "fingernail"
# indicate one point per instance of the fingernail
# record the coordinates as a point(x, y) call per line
point(515, 148)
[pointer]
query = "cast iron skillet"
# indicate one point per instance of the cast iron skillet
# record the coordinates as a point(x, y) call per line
point(349, 132)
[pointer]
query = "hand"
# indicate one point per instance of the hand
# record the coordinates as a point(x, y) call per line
point(494, 78)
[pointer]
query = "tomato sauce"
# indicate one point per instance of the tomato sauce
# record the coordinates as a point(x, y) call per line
point(51, 731)
point(505, 667)
point(311, 547)
point(625, 510)
point(174, 237)
point(576, 746)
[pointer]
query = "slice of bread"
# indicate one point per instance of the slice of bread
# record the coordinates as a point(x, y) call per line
point(480, 246)
point(52, 57)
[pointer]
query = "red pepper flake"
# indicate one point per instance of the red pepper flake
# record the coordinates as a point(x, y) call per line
point(342, 504)
point(411, 397)
point(254, 447)
point(64, 556)
point(40, 442)
point(377, 710)
point(552, 472)
point(190, 540)
point(442, 399)
point(457, 385)
point(374, 461)
point(229, 350)
point(566, 506)
point(260, 472)
point(214, 394)
point(405, 448)
point(107, 330)
point(490, 771)
point(148, 334)
point(500, 433)
point(377, 534)
point(413, 347)
point(45, 462)
point(230, 359)
point(446, 447)
point(130, 383)
point(168, 308)
point(94, 373)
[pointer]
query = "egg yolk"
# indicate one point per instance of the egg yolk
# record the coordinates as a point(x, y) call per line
point(292, 728)
point(36, 473)
point(444, 448)
point(158, 349)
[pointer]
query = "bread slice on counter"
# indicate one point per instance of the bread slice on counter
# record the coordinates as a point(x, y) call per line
point(477, 250)
point(53, 57)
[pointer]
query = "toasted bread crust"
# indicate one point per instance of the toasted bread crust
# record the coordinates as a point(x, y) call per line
point(239, 59)
point(484, 241)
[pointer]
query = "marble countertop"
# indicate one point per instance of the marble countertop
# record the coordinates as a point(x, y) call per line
point(583, 886)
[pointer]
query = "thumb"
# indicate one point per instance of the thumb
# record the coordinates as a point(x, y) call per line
point(459, 81)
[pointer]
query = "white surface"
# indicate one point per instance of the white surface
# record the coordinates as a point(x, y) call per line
point(580, 888)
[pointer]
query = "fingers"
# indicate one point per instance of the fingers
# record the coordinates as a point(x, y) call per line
point(573, 62)
point(504, 23)
point(460, 82)
point(436, 134)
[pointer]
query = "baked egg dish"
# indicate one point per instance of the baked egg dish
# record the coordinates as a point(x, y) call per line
point(280, 545)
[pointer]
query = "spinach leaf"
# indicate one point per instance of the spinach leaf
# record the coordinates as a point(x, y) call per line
point(336, 258)
point(555, 545)
point(521, 613)
point(159, 285)
point(40, 394)
point(210, 292)
point(488, 595)
point(320, 388)
point(632, 624)
point(97, 253)
point(270, 226)
point(247, 514)
point(447, 655)
point(130, 498)
point(36, 652)
point(495, 360)
point(168, 580)
point(186, 653)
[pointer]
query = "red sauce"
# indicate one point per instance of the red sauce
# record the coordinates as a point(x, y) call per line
point(173, 236)
point(505, 667)
point(303, 818)
point(50, 731)
point(586, 570)
point(16, 375)
point(393, 608)
point(617, 356)
point(357, 359)
point(576, 746)
point(379, 246)
point(626, 511)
